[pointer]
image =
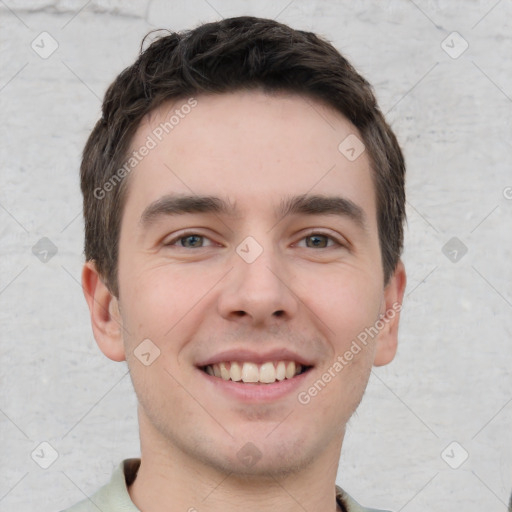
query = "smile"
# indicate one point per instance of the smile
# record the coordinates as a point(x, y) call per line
point(249, 372)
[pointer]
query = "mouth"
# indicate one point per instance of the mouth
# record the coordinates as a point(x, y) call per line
point(252, 373)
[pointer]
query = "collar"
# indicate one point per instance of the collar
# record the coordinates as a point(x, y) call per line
point(127, 472)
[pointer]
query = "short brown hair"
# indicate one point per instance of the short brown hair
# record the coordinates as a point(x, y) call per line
point(221, 57)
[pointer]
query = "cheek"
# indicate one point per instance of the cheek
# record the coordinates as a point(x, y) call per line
point(346, 302)
point(160, 300)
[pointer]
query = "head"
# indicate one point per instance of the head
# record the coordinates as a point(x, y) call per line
point(217, 58)
point(225, 222)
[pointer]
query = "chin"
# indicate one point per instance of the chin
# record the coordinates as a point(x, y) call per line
point(268, 467)
point(262, 457)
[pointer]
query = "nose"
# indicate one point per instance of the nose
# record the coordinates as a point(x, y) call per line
point(258, 293)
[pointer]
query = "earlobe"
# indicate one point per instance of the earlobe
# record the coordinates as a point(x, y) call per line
point(387, 340)
point(106, 319)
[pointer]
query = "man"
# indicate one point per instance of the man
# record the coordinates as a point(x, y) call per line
point(244, 203)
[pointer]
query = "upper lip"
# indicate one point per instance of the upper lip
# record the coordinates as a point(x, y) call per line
point(244, 355)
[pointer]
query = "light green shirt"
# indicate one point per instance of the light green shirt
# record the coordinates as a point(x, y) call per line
point(114, 496)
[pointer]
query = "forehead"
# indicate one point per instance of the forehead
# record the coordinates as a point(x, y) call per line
point(249, 147)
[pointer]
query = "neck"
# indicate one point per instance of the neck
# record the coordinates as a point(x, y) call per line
point(169, 477)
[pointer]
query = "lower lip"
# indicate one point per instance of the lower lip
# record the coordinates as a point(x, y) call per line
point(256, 392)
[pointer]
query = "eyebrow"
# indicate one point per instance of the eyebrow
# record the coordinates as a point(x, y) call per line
point(305, 204)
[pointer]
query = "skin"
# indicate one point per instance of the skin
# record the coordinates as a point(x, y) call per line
point(253, 150)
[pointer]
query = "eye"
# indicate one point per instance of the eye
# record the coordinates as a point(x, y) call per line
point(319, 241)
point(189, 241)
point(196, 241)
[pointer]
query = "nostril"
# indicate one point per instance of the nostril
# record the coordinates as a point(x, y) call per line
point(279, 313)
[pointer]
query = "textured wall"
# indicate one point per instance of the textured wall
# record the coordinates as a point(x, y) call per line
point(451, 107)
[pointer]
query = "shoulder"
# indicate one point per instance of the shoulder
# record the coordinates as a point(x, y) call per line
point(350, 504)
point(82, 506)
point(113, 496)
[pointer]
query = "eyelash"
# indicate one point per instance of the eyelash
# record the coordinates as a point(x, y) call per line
point(181, 236)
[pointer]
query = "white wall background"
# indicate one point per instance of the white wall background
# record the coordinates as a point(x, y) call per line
point(452, 378)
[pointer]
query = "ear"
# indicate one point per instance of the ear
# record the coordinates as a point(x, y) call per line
point(387, 340)
point(105, 315)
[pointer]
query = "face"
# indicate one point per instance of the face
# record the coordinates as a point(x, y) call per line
point(249, 264)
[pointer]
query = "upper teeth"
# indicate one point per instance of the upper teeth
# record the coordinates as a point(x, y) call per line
point(252, 372)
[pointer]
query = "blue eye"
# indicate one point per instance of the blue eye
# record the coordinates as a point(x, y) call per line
point(190, 241)
point(196, 241)
point(319, 241)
